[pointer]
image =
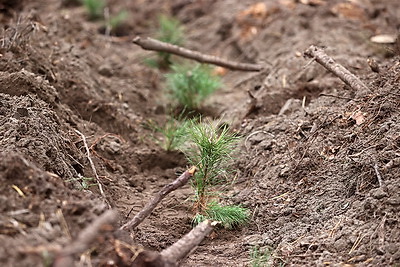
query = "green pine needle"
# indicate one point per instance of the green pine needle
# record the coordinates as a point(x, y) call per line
point(211, 151)
point(229, 216)
point(260, 257)
point(174, 133)
point(94, 8)
point(190, 86)
point(170, 31)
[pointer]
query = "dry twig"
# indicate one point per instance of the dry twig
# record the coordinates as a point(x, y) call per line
point(85, 239)
point(346, 76)
point(180, 181)
point(187, 243)
point(378, 175)
point(170, 256)
point(156, 45)
point(100, 185)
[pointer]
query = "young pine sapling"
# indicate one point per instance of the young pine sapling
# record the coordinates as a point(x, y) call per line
point(189, 86)
point(211, 150)
point(170, 31)
point(173, 132)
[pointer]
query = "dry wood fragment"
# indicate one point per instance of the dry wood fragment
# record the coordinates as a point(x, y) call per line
point(170, 256)
point(180, 181)
point(378, 175)
point(85, 239)
point(156, 45)
point(346, 76)
point(181, 248)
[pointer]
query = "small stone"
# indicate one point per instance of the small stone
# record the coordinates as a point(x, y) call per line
point(105, 70)
point(340, 244)
point(253, 240)
point(379, 251)
point(287, 211)
point(284, 171)
point(266, 144)
point(378, 193)
point(160, 109)
point(267, 240)
point(138, 184)
point(391, 248)
point(394, 201)
point(257, 138)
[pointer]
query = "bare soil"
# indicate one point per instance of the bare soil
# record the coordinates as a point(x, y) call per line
point(318, 165)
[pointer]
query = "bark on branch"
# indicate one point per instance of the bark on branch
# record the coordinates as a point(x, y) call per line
point(85, 239)
point(180, 181)
point(181, 248)
point(156, 45)
point(170, 256)
point(346, 76)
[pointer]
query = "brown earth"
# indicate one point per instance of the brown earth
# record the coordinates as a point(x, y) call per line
point(312, 148)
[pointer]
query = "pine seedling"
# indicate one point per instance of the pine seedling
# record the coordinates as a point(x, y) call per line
point(94, 8)
point(173, 132)
point(260, 257)
point(83, 183)
point(169, 31)
point(190, 86)
point(211, 151)
point(229, 216)
point(115, 21)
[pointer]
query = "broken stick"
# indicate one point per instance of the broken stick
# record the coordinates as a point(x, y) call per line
point(346, 76)
point(170, 256)
point(85, 239)
point(181, 248)
point(180, 181)
point(156, 45)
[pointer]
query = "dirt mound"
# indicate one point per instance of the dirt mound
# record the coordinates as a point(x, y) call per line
point(30, 127)
point(38, 208)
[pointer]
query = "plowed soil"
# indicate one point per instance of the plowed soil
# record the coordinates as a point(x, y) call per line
point(318, 164)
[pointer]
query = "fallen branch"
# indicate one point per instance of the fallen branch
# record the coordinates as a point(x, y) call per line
point(181, 248)
point(180, 181)
point(156, 45)
point(85, 239)
point(100, 185)
point(170, 256)
point(346, 76)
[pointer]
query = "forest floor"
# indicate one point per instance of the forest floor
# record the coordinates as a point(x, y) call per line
point(318, 165)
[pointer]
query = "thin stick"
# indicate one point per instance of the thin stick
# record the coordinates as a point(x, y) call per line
point(156, 45)
point(180, 181)
point(187, 243)
point(340, 97)
point(85, 239)
point(378, 175)
point(100, 185)
point(346, 76)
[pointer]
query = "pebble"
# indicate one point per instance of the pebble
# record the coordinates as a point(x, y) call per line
point(395, 201)
point(253, 240)
point(105, 70)
point(378, 193)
